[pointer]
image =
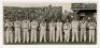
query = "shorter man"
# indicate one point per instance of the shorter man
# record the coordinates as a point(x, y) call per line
point(83, 25)
point(67, 29)
point(9, 31)
point(43, 30)
point(92, 28)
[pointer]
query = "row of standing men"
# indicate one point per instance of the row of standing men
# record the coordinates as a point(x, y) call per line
point(56, 30)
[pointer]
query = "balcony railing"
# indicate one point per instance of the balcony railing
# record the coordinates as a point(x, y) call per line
point(82, 6)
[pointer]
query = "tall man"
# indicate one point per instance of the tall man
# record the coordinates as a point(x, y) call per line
point(52, 26)
point(83, 25)
point(43, 31)
point(59, 31)
point(25, 29)
point(9, 31)
point(17, 28)
point(92, 29)
point(75, 29)
point(34, 25)
point(67, 30)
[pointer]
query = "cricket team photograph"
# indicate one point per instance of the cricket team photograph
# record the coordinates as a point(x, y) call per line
point(40, 25)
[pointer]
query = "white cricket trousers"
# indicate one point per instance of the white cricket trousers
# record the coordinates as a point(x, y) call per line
point(83, 35)
point(58, 35)
point(66, 35)
point(43, 35)
point(52, 35)
point(75, 35)
point(33, 35)
point(17, 35)
point(91, 35)
point(9, 36)
point(25, 35)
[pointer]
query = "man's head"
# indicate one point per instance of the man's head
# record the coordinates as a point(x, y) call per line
point(26, 18)
point(89, 19)
point(84, 18)
point(58, 20)
point(52, 20)
point(16, 18)
point(50, 6)
point(67, 20)
point(43, 20)
point(74, 18)
point(7, 20)
point(82, 14)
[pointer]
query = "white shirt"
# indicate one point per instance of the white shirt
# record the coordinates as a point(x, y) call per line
point(42, 26)
point(17, 24)
point(26, 24)
point(92, 25)
point(9, 25)
point(59, 25)
point(75, 24)
point(34, 24)
point(52, 25)
point(83, 24)
point(67, 26)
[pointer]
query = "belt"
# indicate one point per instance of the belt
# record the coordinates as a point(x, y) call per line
point(75, 28)
point(25, 28)
point(65, 29)
point(17, 27)
point(33, 28)
point(91, 29)
point(83, 28)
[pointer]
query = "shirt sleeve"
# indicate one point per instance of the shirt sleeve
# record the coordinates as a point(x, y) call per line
point(5, 25)
point(29, 24)
point(70, 26)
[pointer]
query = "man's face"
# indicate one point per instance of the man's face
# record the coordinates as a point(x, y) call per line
point(83, 18)
point(67, 20)
point(71, 16)
point(34, 20)
point(7, 20)
point(17, 18)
